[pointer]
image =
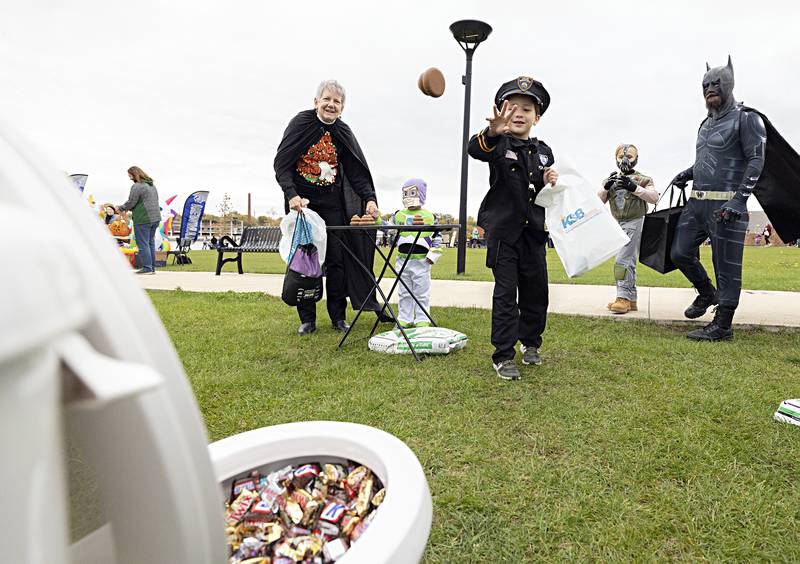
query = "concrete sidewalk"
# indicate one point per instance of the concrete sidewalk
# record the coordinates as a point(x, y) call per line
point(765, 308)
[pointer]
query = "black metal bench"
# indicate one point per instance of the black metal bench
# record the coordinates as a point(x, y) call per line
point(253, 240)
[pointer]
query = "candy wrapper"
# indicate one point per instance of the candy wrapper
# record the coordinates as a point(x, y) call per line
point(302, 513)
point(239, 507)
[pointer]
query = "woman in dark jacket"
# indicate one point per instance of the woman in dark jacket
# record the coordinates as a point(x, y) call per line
point(143, 200)
point(320, 165)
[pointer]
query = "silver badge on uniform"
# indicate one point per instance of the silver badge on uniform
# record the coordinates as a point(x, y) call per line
point(543, 159)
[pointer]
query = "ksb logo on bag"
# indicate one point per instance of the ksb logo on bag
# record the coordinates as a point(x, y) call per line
point(572, 218)
point(576, 218)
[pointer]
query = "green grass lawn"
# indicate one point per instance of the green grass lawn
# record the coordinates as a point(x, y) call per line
point(765, 268)
point(629, 443)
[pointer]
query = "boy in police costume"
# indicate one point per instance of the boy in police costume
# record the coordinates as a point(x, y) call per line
point(417, 258)
point(519, 167)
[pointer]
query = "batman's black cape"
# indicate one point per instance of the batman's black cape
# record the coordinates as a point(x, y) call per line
point(303, 131)
point(778, 187)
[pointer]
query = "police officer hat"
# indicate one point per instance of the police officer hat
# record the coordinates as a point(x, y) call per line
point(526, 86)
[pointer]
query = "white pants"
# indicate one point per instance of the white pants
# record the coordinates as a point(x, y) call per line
point(417, 276)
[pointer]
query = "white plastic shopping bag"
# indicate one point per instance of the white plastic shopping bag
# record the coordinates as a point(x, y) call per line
point(789, 412)
point(583, 230)
point(319, 236)
point(425, 340)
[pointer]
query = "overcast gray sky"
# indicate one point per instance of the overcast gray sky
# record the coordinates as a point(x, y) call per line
point(198, 93)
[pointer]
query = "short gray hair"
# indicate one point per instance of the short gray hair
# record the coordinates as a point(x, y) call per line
point(331, 85)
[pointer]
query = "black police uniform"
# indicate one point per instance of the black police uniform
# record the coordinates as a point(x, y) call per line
point(514, 227)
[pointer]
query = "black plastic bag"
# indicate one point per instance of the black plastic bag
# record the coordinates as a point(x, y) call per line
point(658, 232)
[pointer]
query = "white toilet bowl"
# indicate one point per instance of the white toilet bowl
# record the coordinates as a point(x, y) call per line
point(400, 529)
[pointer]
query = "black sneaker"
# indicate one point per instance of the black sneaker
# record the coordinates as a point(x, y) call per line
point(530, 355)
point(711, 332)
point(342, 326)
point(701, 304)
point(507, 370)
point(720, 328)
point(307, 329)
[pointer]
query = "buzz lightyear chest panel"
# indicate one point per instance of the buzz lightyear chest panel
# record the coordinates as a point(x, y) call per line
point(720, 161)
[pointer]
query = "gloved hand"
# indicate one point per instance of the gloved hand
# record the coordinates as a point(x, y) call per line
point(609, 182)
point(733, 209)
point(626, 183)
point(681, 179)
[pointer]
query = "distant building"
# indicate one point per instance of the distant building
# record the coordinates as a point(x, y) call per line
point(212, 227)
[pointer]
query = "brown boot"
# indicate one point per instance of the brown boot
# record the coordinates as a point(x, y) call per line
point(633, 306)
point(621, 305)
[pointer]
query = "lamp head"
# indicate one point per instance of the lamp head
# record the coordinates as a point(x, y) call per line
point(470, 32)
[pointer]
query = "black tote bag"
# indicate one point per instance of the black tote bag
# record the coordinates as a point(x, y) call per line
point(658, 231)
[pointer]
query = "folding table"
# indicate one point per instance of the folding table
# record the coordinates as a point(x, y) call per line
point(371, 232)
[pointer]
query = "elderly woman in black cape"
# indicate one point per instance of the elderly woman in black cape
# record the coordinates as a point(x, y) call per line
point(320, 165)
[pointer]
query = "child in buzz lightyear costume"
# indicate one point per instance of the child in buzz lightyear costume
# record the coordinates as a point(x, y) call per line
point(418, 258)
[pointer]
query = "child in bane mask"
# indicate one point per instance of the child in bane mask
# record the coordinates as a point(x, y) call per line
point(628, 192)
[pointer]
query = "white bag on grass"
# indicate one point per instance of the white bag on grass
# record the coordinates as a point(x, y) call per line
point(583, 230)
point(426, 340)
point(318, 233)
point(789, 412)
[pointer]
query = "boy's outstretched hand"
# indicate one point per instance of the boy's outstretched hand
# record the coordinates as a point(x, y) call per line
point(550, 176)
point(499, 123)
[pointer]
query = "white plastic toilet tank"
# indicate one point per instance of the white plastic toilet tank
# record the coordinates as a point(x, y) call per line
point(142, 487)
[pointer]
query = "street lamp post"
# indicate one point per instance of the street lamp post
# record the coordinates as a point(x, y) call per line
point(469, 34)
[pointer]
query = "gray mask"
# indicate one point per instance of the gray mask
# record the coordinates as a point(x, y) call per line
point(718, 89)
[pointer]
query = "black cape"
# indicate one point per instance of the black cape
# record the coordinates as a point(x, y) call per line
point(778, 187)
point(302, 132)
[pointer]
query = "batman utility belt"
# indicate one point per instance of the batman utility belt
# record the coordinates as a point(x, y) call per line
point(707, 195)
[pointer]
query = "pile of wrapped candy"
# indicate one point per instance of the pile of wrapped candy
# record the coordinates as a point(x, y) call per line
point(310, 513)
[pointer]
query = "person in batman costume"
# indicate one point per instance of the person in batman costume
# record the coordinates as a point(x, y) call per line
point(319, 164)
point(738, 153)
